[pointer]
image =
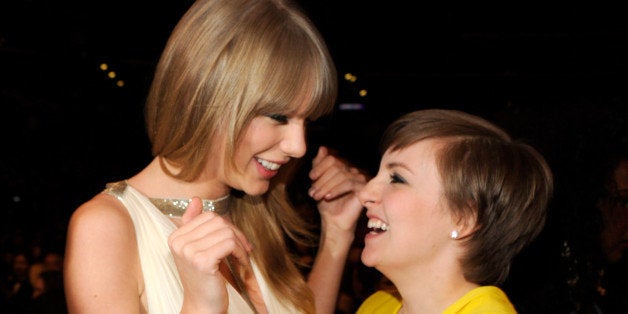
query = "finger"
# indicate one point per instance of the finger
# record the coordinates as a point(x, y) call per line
point(326, 182)
point(198, 220)
point(194, 209)
point(327, 169)
point(208, 243)
point(205, 254)
point(225, 245)
point(206, 229)
point(323, 164)
point(320, 155)
point(199, 227)
point(338, 183)
point(339, 186)
point(241, 256)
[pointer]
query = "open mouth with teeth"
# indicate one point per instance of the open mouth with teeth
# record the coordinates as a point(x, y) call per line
point(377, 226)
point(268, 164)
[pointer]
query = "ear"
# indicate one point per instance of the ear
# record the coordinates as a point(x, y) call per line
point(464, 224)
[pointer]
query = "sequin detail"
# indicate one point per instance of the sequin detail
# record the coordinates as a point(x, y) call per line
point(175, 207)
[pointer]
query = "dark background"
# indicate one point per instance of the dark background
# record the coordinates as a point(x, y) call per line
point(552, 74)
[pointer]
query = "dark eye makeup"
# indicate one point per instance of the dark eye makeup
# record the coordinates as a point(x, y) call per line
point(396, 178)
point(278, 117)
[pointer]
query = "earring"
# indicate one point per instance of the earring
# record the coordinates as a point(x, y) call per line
point(454, 235)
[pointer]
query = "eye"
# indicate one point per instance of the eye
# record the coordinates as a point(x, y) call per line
point(396, 178)
point(278, 117)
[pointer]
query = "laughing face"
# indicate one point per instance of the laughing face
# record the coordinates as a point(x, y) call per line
point(407, 219)
point(267, 143)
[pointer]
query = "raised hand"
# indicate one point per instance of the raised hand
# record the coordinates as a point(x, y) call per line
point(198, 246)
point(334, 185)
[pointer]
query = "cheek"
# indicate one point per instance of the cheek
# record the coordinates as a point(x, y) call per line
point(257, 141)
point(405, 217)
point(242, 157)
point(405, 207)
point(415, 216)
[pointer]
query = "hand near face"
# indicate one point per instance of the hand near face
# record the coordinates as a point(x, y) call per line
point(198, 247)
point(334, 187)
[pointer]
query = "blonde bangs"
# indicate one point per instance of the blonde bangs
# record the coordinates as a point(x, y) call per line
point(291, 83)
point(289, 71)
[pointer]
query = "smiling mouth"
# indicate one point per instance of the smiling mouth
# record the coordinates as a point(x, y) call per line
point(269, 165)
point(377, 226)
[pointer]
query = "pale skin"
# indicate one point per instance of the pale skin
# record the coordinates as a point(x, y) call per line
point(102, 268)
point(416, 252)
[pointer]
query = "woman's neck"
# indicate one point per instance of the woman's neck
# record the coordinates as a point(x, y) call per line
point(153, 182)
point(432, 290)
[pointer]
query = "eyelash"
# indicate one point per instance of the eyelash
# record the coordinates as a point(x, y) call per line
point(396, 178)
point(278, 117)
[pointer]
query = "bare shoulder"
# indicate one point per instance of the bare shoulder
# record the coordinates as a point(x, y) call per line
point(101, 226)
point(103, 213)
point(102, 263)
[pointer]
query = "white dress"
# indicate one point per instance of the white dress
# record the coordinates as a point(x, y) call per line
point(163, 289)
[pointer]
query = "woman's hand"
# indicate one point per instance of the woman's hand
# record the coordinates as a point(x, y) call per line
point(198, 247)
point(334, 185)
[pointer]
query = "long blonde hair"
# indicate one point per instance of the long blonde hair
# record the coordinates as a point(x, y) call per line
point(226, 62)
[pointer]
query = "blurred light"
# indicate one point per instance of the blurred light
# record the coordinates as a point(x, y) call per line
point(120, 83)
point(104, 66)
point(17, 199)
point(351, 106)
point(350, 77)
point(111, 74)
point(363, 92)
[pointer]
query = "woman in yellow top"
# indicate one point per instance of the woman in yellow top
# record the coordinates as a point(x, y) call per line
point(455, 199)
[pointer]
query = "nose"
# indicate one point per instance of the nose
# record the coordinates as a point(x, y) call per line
point(368, 196)
point(293, 143)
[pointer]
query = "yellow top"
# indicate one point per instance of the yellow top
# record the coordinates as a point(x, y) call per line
point(380, 302)
point(481, 300)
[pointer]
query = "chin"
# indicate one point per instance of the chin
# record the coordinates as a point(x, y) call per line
point(256, 190)
point(367, 260)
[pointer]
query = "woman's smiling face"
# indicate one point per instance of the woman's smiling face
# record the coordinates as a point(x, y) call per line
point(405, 205)
point(268, 142)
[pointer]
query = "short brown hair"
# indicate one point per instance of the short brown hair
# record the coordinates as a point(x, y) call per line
point(504, 184)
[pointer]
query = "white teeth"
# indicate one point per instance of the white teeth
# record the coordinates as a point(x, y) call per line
point(268, 165)
point(377, 224)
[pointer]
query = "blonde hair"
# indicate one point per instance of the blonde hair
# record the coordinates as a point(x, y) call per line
point(226, 62)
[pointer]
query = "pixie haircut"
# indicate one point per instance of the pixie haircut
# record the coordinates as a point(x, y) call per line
point(225, 63)
point(503, 185)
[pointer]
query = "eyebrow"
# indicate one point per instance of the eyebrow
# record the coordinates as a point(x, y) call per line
point(398, 165)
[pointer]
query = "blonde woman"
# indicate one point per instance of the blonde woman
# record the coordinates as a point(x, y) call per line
point(203, 228)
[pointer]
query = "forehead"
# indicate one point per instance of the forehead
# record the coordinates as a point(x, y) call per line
point(416, 152)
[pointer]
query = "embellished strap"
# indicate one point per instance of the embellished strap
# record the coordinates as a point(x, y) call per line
point(115, 188)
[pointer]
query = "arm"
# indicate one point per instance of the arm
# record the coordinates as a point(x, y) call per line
point(334, 186)
point(101, 271)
